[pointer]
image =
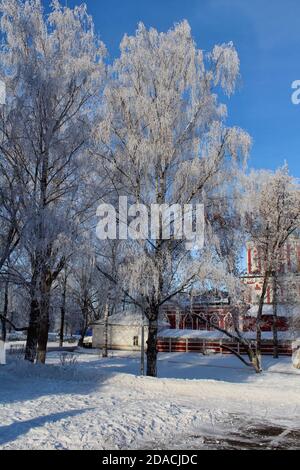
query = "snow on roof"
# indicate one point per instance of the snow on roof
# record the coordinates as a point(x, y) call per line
point(204, 334)
point(127, 318)
point(283, 310)
point(217, 335)
point(185, 300)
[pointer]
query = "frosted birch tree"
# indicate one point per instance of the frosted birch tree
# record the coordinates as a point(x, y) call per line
point(53, 68)
point(90, 290)
point(271, 214)
point(84, 290)
point(10, 223)
point(165, 141)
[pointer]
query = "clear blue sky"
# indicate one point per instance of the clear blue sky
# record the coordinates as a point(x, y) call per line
point(267, 36)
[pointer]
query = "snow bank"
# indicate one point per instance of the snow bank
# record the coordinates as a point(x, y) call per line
point(66, 369)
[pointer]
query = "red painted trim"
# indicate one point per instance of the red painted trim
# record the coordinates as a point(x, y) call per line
point(288, 254)
point(250, 261)
point(191, 345)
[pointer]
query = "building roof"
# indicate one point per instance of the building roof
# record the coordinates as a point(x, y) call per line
point(283, 310)
point(184, 300)
point(126, 318)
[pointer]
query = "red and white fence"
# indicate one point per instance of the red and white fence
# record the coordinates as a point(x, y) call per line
point(217, 346)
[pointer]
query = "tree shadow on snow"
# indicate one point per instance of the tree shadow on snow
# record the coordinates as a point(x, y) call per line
point(21, 381)
point(193, 366)
point(12, 431)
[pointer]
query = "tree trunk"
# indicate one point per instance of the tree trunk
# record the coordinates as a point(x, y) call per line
point(274, 325)
point(63, 313)
point(62, 325)
point(43, 326)
point(85, 315)
point(43, 331)
point(5, 312)
point(257, 359)
point(143, 348)
point(32, 334)
point(45, 276)
point(82, 336)
point(152, 346)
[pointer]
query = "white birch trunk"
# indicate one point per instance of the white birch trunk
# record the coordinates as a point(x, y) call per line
point(296, 354)
point(2, 353)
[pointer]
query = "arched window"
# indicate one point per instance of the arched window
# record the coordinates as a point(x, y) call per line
point(215, 319)
point(202, 325)
point(188, 322)
point(228, 321)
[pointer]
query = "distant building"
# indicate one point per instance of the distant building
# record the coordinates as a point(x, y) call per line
point(288, 290)
point(124, 331)
point(190, 320)
point(199, 313)
point(186, 323)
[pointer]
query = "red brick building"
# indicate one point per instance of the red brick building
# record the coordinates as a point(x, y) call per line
point(190, 320)
point(288, 286)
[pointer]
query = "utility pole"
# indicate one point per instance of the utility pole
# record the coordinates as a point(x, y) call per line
point(105, 333)
point(143, 345)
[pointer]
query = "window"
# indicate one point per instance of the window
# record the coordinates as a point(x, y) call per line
point(135, 341)
point(188, 322)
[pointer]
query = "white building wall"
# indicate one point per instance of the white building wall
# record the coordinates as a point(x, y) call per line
point(119, 336)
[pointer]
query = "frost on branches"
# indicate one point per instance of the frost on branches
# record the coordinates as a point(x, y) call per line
point(53, 69)
point(270, 209)
point(151, 126)
point(164, 140)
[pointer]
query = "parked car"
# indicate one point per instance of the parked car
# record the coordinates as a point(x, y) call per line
point(71, 338)
point(17, 336)
point(88, 342)
point(53, 337)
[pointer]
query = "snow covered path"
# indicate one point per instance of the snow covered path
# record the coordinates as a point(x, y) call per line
point(102, 404)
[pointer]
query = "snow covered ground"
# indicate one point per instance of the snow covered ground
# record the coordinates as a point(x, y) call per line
point(197, 402)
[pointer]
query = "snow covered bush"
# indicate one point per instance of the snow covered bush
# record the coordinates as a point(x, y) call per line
point(67, 360)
